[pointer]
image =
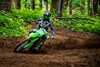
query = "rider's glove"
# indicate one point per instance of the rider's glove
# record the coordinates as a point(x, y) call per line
point(52, 37)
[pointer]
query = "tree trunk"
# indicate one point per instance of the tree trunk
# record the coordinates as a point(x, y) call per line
point(17, 4)
point(57, 6)
point(32, 4)
point(99, 8)
point(60, 7)
point(46, 4)
point(5, 5)
point(70, 7)
point(94, 7)
point(40, 4)
point(89, 8)
point(53, 6)
point(66, 3)
point(82, 6)
point(25, 3)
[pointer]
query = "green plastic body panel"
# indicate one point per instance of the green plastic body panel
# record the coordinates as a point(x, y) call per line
point(34, 36)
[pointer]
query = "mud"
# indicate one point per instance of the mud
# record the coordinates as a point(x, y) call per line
point(68, 49)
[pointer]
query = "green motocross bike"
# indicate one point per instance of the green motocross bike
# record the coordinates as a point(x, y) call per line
point(34, 38)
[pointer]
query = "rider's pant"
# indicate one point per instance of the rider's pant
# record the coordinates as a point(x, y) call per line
point(42, 42)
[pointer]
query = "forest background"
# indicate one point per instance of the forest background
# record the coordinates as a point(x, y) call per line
point(81, 15)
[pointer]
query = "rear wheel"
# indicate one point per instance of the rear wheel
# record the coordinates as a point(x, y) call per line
point(21, 45)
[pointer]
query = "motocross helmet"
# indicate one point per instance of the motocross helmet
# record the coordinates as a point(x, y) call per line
point(47, 15)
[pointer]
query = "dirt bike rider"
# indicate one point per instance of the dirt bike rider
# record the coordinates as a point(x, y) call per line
point(45, 19)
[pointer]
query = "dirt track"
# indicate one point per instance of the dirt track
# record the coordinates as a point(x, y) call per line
point(68, 49)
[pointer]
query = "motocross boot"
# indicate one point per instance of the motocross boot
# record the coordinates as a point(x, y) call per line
point(39, 46)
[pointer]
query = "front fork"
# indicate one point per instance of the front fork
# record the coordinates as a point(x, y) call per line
point(30, 43)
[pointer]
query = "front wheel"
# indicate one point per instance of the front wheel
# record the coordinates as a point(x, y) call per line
point(21, 45)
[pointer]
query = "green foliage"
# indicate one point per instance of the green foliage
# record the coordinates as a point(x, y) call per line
point(76, 2)
point(27, 15)
point(85, 24)
point(10, 26)
point(81, 25)
point(15, 23)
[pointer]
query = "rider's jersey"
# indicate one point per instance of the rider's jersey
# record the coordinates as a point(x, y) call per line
point(42, 22)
